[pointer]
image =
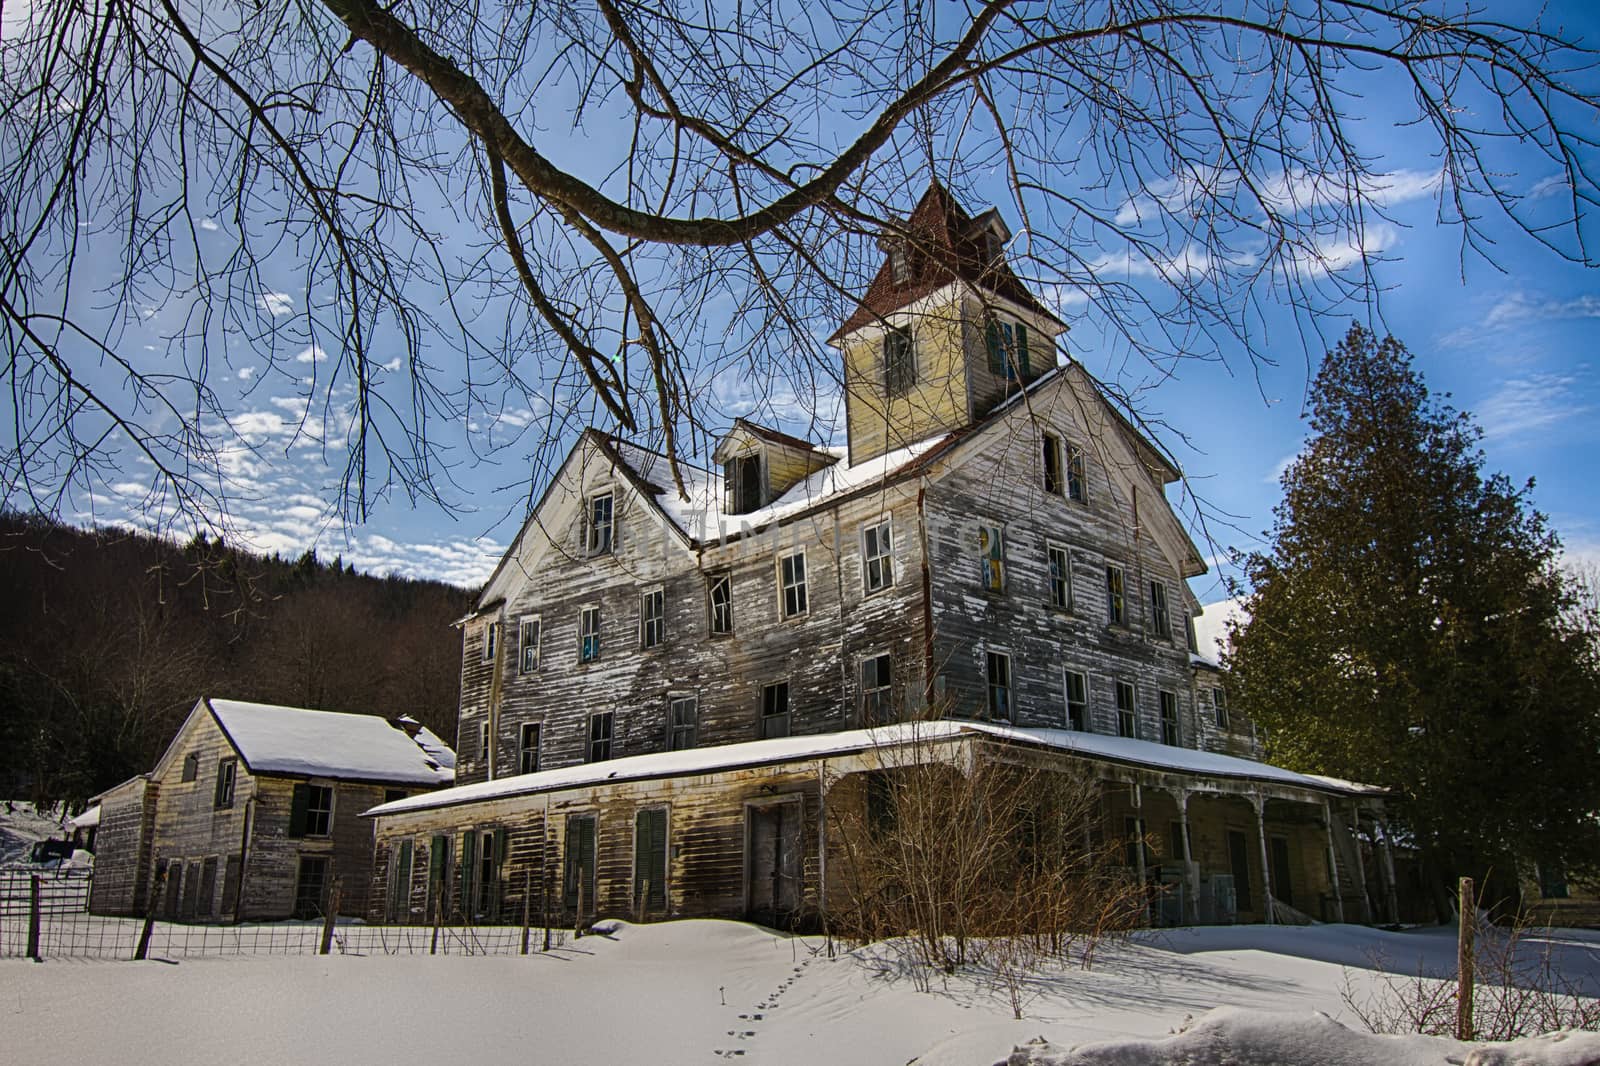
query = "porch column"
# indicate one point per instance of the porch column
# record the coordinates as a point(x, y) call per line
point(1361, 869)
point(1191, 877)
point(1266, 866)
point(1386, 870)
point(1333, 863)
point(1138, 849)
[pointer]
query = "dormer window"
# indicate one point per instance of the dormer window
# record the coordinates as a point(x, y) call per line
point(899, 264)
point(1008, 349)
point(899, 362)
point(742, 483)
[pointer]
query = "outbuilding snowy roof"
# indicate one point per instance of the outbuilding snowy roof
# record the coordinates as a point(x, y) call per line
point(86, 820)
point(1142, 753)
point(352, 747)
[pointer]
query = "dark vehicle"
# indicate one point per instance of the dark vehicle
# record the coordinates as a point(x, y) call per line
point(50, 851)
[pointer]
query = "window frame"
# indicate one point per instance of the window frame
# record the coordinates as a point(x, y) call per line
point(1116, 595)
point(603, 744)
point(991, 564)
point(735, 499)
point(585, 655)
point(484, 741)
point(491, 641)
point(1009, 352)
point(899, 352)
point(803, 596)
point(524, 645)
point(1077, 474)
point(1054, 480)
point(1127, 716)
point(1160, 613)
point(222, 795)
point(677, 731)
point(884, 527)
point(1219, 709)
point(1067, 673)
point(1171, 728)
point(523, 748)
point(1001, 656)
point(191, 767)
point(764, 726)
point(648, 640)
point(879, 696)
point(313, 811)
point(592, 543)
point(1067, 602)
point(723, 578)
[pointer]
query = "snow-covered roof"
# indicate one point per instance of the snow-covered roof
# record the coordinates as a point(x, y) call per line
point(1143, 753)
point(701, 517)
point(88, 818)
point(307, 743)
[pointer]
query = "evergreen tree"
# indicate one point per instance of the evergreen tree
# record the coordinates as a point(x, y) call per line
point(1409, 627)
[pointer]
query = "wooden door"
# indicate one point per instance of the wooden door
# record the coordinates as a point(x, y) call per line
point(1239, 861)
point(773, 872)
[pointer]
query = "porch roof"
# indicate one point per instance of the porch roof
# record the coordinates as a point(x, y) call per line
point(697, 761)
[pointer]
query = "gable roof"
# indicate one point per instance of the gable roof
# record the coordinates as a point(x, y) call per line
point(298, 742)
point(944, 247)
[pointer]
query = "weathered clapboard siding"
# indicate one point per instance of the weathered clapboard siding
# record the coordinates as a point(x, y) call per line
point(122, 865)
point(937, 400)
point(189, 827)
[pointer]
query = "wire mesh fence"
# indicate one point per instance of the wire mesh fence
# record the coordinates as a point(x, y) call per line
point(53, 921)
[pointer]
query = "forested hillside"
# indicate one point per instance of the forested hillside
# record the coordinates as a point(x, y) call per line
point(107, 639)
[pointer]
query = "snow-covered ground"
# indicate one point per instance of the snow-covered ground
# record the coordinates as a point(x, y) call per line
point(694, 991)
point(21, 825)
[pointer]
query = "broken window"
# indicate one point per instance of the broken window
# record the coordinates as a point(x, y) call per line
point(652, 619)
point(600, 736)
point(1169, 718)
point(528, 748)
point(877, 565)
point(719, 590)
point(227, 772)
point(1052, 464)
point(992, 551)
point(1127, 716)
point(775, 710)
point(1077, 691)
point(491, 641)
point(588, 634)
point(1077, 484)
point(1160, 625)
point(1116, 596)
point(532, 630)
point(682, 712)
point(600, 525)
point(899, 362)
point(999, 684)
point(311, 811)
point(877, 700)
point(191, 766)
point(1060, 577)
point(741, 484)
point(792, 573)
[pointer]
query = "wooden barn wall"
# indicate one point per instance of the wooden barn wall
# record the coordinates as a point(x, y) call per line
point(818, 654)
point(1001, 483)
point(122, 859)
point(272, 870)
point(706, 820)
point(188, 826)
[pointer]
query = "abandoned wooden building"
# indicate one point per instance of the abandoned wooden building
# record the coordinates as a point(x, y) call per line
point(253, 810)
point(662, 690)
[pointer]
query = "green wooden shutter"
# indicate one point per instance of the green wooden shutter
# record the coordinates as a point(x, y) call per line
point(403, 880)
point(997, 356)
point(1022, 349)
point(297, 810)
point(436, 848)
point(500, 845)
point(469, 852)
point(650, 856)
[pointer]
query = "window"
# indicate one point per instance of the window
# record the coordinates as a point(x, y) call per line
point(999, 677)
point(719, 590)
point(681, 715)
point(600, 529)
point(1160, 625)
point(792, 574)
point(600, 736)
point(899, 264)
point(532, 630)
point(311, 811)
point(1052, 464)
point(310, 887)
point(491, 641)
point(1008, 349)
point(483, 743)
point(191, 766)
point(1116, 598)
point(899, 362)
point(992, 551)
point(1077, 484)
point(528, 748)
point(652, 619)
point(1127, 716)
point(588, 634)
point(877, 690)
point(482, 852)
point(650, 859)
point(1219, 705)
point(775, 710)
point(741, 484)
point(227, 771)
point(1060, 576)
point(1169, 718)
point(394, 795)
point(877, 566)
point(1077, 689)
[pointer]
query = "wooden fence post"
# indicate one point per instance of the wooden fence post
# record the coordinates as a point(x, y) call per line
point(143, 949)
point(577, 918)
point(527, 905)
point(544, 896)
point(438, 919)
point(332, 916)
point(33, 918)
point(1464, 961)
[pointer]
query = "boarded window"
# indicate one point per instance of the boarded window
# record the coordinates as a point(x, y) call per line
point(899, 362)
point(650, 859)
point(1077, 484)
point(1169, 718)
point(528, 748)
point(191, 890)
point(532, 631)
point(227, 773)
point(719, 591)
point(652, 618)
point(1060, 577)
point(191, 766)
point(208, 888)
point(600, 525)
point(1053, 483)
point(588, 634)
point(311, 887)
point(1077, 693)
point(877, 563)
point(1160, 623)
point(775, 710)
point(578, 883)
point(992, 554)
point(792, 574)
point(1127, 715)
point(600, 736)
point(998, 673)
point(1116, 596)
point(877, 680)
point(682, 713)
point(230, 887)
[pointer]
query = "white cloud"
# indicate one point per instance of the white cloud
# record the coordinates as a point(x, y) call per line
point(1280, 468)
point(246, 373)
point(1525, 405)
point(276, 303)
point(1521, 307)
point(209, 225)
point(312, 354)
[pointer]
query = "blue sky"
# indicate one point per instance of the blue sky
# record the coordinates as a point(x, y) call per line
point(1510, 340)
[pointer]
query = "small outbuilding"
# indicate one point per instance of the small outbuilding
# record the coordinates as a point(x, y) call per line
point(254, 810)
